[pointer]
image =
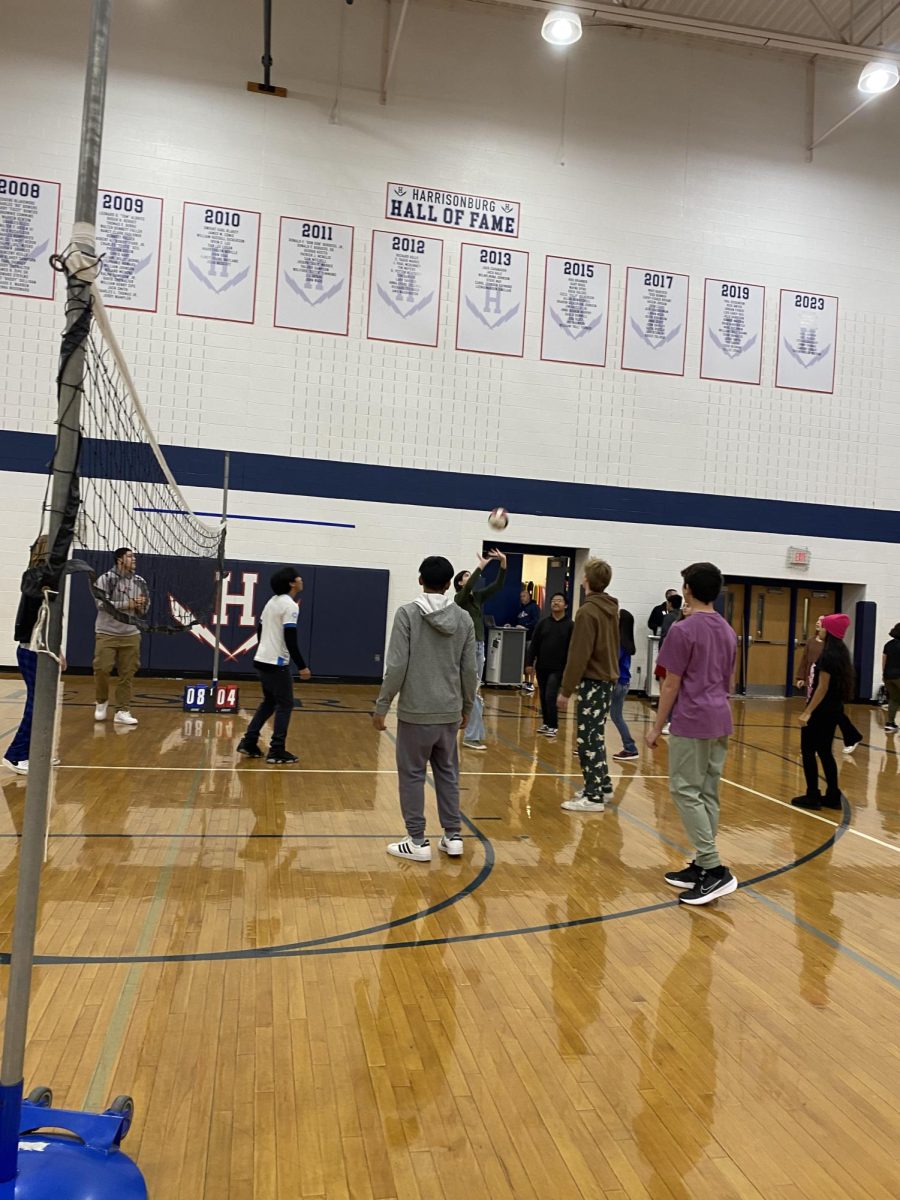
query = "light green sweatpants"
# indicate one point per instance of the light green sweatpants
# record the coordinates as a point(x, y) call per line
point(695, 768)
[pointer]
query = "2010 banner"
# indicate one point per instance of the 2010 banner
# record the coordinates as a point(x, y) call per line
point(655, 334)
point(490, 316)
point(29, 226)
point(129, 234)
point(405, 288)
point(315, 270)
point(807, 340)
point(576, 311)
point(732, 341)
point(217, 272)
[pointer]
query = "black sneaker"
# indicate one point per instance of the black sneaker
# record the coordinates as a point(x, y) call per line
point(687, 878)
point(281, 758)
point(712, 885)
point(833, 801)
point(812, 802)
point(249, 749)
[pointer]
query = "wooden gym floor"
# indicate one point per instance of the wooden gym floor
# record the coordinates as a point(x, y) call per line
point(299, 1015)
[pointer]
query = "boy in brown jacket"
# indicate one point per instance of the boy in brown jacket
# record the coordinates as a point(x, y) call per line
point(592, 667)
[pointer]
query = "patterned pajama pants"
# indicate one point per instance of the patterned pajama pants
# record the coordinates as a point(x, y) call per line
point(594, 702)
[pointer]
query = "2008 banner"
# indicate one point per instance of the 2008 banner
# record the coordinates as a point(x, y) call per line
point(29, 222)
point(129, 232)
point(217, 273)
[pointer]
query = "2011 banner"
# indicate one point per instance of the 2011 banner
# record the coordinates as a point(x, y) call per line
point(129, 233)
point(731, 345)
point(576, 311)
point(490, 316)
point(807, 338)
point(29, 225)
point(405, 288)
point(217, 273)
point(315, 266)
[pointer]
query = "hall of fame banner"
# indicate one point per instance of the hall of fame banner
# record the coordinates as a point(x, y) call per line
point(315, 266)
point(29, 223)
point(733, 316)
point(405, 288)
point(490, 317)
point(655, 334)
point(129, 234)
point(453, 210)
point(217, 271)
point(807, 337)
point(576, 311)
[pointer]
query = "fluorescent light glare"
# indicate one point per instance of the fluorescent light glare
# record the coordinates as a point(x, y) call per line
point(879, 76)
point(561, 27)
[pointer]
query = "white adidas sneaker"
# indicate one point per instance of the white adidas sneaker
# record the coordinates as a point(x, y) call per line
point(408, 849)
point(100, 712)
point(451, 844)
point(124, 717)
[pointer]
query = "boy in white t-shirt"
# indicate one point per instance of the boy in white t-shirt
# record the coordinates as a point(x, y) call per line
point(277, 647)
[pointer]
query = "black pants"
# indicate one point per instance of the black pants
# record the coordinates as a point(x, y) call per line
point(278, 698)
point(548, 685)
point(815, 743)
point(849, 732)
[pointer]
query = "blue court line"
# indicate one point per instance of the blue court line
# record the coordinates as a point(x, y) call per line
point(178, 512)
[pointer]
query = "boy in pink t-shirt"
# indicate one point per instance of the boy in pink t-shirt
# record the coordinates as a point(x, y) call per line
point(699, 657)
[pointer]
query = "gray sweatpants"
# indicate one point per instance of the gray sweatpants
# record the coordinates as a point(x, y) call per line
point(417, 746)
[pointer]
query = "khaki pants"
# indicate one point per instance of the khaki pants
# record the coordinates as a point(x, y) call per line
point(122, 651)
point(695, 768)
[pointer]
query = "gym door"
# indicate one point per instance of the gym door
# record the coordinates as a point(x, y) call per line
point(812, 603)
point(734, 615)
point(767, 649)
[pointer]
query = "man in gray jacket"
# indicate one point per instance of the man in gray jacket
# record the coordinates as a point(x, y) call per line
point(431, 664)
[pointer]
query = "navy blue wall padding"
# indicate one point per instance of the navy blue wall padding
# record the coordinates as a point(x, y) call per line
point(348, 621)
point(193, 467)
point(864, 648)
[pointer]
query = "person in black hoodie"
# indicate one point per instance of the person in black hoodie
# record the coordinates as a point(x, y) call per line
point(16, 757)
point(547, 653)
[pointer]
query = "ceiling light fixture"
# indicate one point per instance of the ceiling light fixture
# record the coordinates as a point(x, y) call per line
point(561, 27)
point(878, 76)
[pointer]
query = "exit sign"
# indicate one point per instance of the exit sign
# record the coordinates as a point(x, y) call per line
point(798, 556)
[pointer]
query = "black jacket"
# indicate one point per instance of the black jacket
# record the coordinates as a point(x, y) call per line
point(549, 644)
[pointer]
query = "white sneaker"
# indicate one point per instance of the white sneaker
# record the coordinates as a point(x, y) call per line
point(100, 711)
point(451, 844)
point(543, 728)
point(408, 849)
point(582, 804)
point(20, 767)
point(124, 717)
point(551, 733)
point(473, 745)
point(849, 749)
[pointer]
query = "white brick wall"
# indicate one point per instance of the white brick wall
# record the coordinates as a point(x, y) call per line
point(676, 155)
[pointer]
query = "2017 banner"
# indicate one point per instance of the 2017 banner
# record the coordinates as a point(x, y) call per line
point(731, 345)
point(405, 288)
point(490, 317)
point(807, 338)
point(655, 334)
point(576, 311)
point(129, 234)
point(315, 268)
point(217, 273)
point(29, 226)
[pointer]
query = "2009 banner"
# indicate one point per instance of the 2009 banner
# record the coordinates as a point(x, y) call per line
point(29, 224)
point(129, 232)
point(217, 273)
point(490, 315)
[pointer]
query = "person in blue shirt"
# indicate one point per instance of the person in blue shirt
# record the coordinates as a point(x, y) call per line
point(629, 750)
point(527, 618)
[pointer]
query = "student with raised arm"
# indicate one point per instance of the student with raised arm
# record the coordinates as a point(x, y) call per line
point(471, 600)
point(698, 656)
point(276, 650)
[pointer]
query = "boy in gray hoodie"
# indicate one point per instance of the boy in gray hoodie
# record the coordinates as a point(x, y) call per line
point(431, 664)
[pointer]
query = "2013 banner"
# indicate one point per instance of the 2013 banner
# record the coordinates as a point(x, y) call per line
point(490, 316)
point(29, 225)
point(655, 334)
point(217, 273)
point(576, 311)
point(312, 290)
point(405, 288)
point(807, 338)
point(129, 233)
point(731, 345)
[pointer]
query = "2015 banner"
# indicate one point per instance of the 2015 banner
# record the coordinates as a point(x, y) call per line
point(29, 225)
point(217, 273)
point(490, 317)
point(312, 290)
point(405, 288)
point(731, 345)
point(655, 335)
point(576, 311)
point(129, 233)
point(807, 338)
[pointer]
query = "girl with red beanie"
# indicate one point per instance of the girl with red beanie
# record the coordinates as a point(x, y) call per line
point(833, 682)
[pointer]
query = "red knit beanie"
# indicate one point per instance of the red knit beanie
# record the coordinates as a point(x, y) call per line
point(836, 624)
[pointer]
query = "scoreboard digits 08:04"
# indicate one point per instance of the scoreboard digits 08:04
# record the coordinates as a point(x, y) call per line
point(205, 697)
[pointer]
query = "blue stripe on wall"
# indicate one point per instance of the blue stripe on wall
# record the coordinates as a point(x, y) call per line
point(30, 452)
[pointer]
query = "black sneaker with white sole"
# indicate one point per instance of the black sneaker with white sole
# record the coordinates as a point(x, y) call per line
point(687, 878)
point(281, 758)
point(712, 885)
point(249, 749)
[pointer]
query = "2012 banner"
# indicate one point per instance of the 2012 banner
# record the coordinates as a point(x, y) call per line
point(405, 288)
